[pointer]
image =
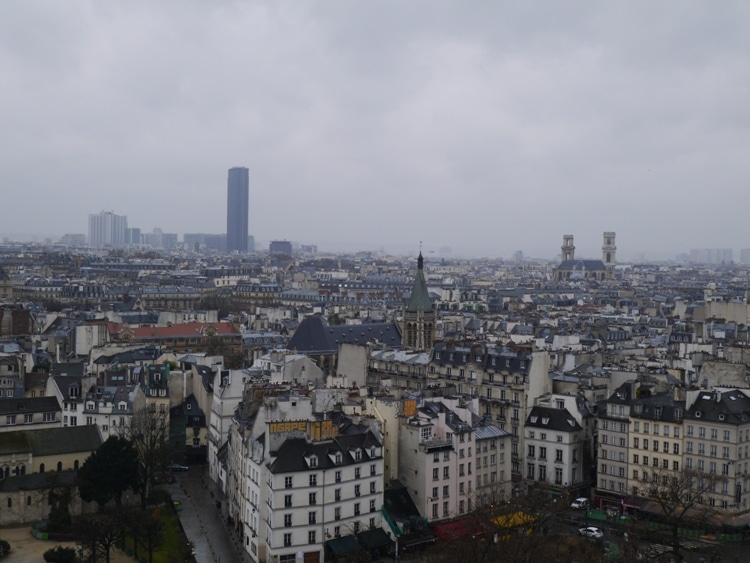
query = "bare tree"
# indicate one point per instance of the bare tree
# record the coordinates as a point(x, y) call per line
point(680, 496)
point(99, 533)
point(148, 432)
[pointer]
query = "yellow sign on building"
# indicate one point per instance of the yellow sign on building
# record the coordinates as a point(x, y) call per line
point(410, 408)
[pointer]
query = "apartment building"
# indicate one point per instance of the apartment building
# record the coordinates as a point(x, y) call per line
point(655, 439)
point(717, 441)
point(555, 445)
point(493, 482)
point(436, 459)
point(613, 431)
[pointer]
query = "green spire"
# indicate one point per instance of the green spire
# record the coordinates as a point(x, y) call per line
point(420, 297)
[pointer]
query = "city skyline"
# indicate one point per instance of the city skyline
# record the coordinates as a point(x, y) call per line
point(500, 128)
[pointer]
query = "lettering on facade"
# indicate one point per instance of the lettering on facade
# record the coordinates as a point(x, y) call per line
point(294, 426)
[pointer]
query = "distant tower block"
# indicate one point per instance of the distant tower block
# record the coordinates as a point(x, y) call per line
point(568, 250)
point(609, 250)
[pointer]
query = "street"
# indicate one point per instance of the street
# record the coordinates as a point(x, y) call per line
point(203, 522)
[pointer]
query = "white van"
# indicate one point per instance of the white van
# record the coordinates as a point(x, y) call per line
point(581, 503)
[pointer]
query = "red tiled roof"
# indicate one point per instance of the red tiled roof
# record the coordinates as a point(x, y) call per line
point(187, 330)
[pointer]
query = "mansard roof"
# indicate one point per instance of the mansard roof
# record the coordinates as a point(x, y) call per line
point(314, 335)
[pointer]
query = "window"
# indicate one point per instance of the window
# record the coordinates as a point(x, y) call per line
point(372, 505)
point(287, 540)
point(531, 450)
point(635, 458)
point(714, 434)
point(287, 520)
point(676, 449)
point(434, 510)
point(542, 453)
point(436, 457)
point(635, 474)
point(445, 509)
point(635, 442)
point(314, 461)
point(312, 517)
point(311, 536)
point(701, 432)
point(356, 509)
point(337, 513)
point(312, 497)
point(287, 482)
point(357, 490)
point(28, 418)
point(446, 490)
point(313, 480)
point(690, 430)
point(435, 473)
point(49, 417)
point(558, 455)
point(10, 419)
point(372, 487)
point(446, 473)
point(645, 444)
point(287, 501)
point(726, 435)
point(337, 476)
point(656, 445)
point(357, 472)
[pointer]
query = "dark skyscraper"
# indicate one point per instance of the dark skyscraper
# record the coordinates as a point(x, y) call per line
point(237, 208)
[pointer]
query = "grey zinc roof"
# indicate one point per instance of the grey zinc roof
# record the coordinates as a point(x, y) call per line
point(315, 335)
point(291, 455)
point(488, 432)
point(556, 419)
point(29, 405)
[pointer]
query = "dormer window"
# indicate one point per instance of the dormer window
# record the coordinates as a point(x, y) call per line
point(372, 452)
point(545, 420)
point(338, 458)
point(534, 419)
point(313, 461)
point(189, 406)
point(357, 455)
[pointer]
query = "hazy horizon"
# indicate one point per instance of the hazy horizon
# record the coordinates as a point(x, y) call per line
point(377, 125)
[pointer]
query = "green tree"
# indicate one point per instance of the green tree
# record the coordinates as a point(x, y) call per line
point(110, 471)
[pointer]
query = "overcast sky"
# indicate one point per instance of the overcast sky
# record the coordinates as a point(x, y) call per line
point(484, 126)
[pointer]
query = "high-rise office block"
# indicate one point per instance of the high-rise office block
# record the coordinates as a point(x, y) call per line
point(237, 209)
point(107, 229)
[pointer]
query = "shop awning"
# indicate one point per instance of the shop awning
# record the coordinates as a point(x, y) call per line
point(343, 545)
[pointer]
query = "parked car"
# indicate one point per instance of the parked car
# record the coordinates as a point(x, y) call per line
point(177, 467)
point(581, 503)
point(591, 532)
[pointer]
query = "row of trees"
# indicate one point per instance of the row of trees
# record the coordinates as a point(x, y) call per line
point(523, 529)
